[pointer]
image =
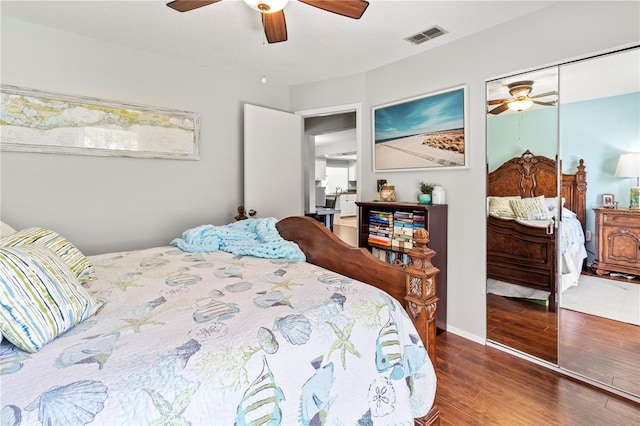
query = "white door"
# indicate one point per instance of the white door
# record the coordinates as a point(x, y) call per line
point(272, 162)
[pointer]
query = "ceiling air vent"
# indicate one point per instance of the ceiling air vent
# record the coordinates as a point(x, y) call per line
point(425, 35)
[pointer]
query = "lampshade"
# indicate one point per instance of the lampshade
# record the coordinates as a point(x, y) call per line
point(520, 104)
point(629, 167)
point(266, 6)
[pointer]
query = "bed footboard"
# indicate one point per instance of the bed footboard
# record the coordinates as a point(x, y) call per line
point(522, 255)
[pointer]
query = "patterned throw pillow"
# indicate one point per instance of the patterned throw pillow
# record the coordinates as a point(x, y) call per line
point(531, 208)
point(501, 206)
point(70, 255)
point(40, 298)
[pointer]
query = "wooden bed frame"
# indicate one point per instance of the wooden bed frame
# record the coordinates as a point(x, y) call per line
point(522, 254)
point(414, 286)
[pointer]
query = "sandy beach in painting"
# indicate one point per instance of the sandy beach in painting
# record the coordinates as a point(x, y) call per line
point(433, 149)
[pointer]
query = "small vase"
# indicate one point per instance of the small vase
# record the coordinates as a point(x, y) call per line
point(424, 198)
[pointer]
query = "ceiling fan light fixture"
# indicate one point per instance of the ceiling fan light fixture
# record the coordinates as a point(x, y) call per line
point(266, 6)
point(520, 104)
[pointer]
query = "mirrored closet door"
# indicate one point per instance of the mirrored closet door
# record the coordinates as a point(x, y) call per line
point(522, 147)
point(565, 288)
point(599, 312)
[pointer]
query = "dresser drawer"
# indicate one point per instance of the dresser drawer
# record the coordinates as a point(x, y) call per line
point(613, 219)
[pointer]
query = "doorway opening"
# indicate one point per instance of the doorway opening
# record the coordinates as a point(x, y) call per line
point(330, 151)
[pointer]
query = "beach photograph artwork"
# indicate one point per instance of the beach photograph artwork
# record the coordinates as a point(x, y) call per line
point(419, 133)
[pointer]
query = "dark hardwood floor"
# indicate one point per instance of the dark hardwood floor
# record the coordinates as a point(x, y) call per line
point(481, 385)
point(537, 335)
point(604, 350)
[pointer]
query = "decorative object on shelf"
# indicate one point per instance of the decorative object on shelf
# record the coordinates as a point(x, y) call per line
point(56, 123)
point(436, 140)
point(608, 201)
point(629, 167)
point(438, 196)
point(388, 193)
point(424, 197)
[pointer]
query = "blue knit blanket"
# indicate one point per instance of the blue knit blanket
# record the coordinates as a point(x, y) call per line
point(251, 237)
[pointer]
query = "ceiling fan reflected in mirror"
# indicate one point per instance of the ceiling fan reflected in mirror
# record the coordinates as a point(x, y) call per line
point(521, 98)
point(273, 20)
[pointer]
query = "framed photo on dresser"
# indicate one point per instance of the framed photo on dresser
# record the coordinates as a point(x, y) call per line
point(608, 201)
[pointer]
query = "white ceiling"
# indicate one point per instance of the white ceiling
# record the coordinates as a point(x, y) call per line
point(228, 35)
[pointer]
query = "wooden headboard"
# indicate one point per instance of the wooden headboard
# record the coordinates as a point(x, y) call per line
point(531, 175)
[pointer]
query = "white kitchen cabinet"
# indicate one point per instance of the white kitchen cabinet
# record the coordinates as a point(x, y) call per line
point(348, 205)
point(321, 169)
point(353, 172)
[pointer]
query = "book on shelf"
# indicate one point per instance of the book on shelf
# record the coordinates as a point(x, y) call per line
point(390, 256)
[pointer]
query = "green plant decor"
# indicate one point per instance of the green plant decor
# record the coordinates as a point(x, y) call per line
point(426, 188)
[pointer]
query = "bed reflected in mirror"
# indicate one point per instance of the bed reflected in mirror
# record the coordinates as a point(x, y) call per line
point(522, 205)
point(566, 291)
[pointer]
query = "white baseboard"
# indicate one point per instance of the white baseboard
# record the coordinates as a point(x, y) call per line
point(466, 335)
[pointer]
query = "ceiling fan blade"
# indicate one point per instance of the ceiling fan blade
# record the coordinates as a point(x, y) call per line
point(542, 95)
point(499, 109)
point(552, 103)
point(497, 101)
point(275, 26)
point(187, 5)
point(349, 8)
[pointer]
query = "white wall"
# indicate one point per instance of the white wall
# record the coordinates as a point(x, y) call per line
point(552, 35)
point(106, 204)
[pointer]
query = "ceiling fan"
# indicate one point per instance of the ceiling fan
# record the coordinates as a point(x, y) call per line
point(520, 91)
point(275, 26)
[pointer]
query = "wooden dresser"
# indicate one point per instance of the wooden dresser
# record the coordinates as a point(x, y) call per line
point(617, 241)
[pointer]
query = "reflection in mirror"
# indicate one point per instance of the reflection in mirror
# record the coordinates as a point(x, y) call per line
point(522, 146)
point(599, 314)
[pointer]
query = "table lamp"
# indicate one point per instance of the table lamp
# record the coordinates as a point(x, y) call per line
point(629, 166)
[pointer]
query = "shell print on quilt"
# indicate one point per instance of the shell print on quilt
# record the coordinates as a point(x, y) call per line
point(382, 397)
point(94, 350)
point(73, 404)
point(10, 415)
point(186, 351)
point(260, 403)
point(11, 360)
point(295, 328)
point(273, 298)
point(238, 287)
point(267, 340)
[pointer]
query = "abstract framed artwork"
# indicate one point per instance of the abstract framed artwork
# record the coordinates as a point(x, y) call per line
point(424, 132)
point(45, 122)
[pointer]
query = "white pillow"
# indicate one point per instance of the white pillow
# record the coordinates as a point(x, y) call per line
point(531, 208)
point(40, 297)
point(552, 203)
point(568, 213)
point(500, 206)
point(6, 230)
point(75, 260)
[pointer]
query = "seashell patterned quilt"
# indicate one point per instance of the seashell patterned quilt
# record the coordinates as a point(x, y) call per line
point(218, 339)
